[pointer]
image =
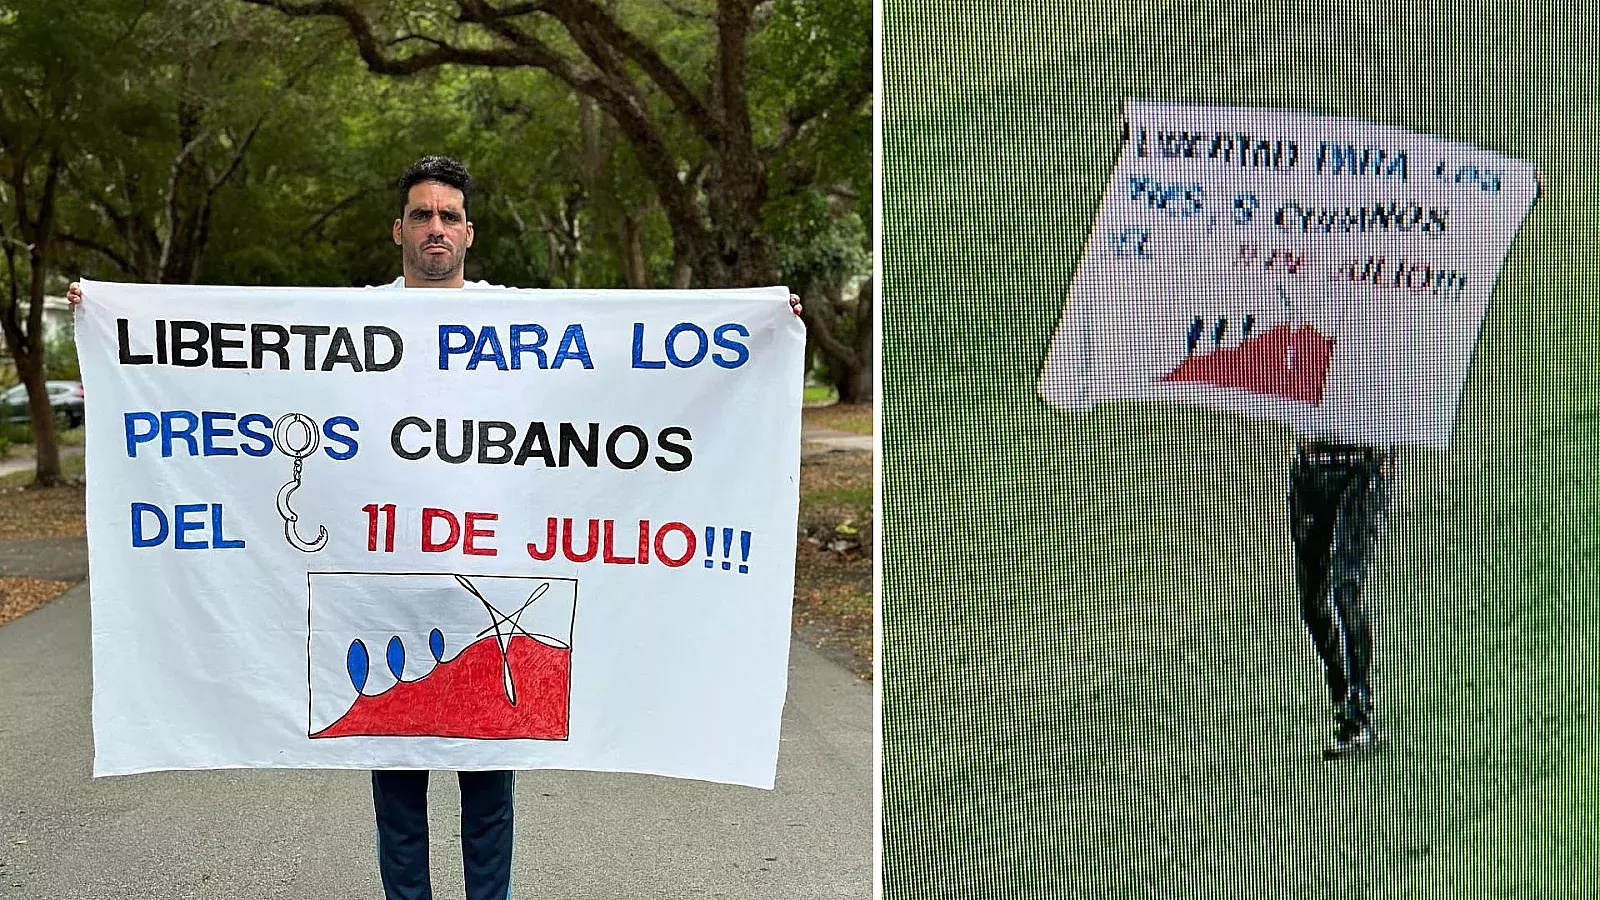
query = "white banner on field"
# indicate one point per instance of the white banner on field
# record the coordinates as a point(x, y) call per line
point(1330, 274)
point(448, 529)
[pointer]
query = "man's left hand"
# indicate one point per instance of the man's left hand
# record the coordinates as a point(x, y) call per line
point(794, 304)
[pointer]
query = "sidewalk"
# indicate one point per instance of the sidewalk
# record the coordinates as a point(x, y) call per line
point(826, 440)
point(308, 835)
point(16, 462)
point(21, 461)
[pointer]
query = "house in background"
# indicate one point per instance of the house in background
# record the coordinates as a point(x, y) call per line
point(57, 323)
point(57, 317)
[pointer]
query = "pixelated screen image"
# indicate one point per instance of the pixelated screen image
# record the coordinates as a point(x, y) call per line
point(1241, 433)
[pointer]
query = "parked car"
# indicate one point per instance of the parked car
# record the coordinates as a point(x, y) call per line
point(66, 398)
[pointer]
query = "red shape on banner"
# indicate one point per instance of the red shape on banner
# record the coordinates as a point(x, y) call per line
point(1283, 361)
point(466, 697)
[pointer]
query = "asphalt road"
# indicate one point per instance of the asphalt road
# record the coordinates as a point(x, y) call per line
point(309, 834)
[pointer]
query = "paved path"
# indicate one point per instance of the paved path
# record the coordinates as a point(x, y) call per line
point(826, 440)
point(308, 835)
point(23, 461)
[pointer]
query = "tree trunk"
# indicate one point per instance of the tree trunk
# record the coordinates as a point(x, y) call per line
point(855, 385)
point(635, 270)
point(849, 355)
point(25, 337)
point(26, 344)
point(861, 382)
point(30, 365)
point(737, 255)
point(46, 453)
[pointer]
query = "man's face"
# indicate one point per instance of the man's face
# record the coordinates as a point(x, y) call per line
point(433, 232)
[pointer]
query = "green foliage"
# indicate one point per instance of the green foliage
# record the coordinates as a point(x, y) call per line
point(223, 142)
point(177, 89)
point(61, 357)
point(826, 250)
point(807, 57)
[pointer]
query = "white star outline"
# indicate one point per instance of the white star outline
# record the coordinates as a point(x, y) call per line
point(506, 627)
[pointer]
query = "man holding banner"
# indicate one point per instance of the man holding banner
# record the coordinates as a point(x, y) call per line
point(1329, 274)
point(1338, 510)
point(433, 231)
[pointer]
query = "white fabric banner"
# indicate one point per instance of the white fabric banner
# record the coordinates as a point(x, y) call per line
point(1327, 273)
point(447, 529)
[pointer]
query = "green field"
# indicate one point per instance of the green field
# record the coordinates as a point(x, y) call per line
point(1096, 682)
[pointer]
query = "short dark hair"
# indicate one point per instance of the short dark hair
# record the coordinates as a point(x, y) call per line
point(443, 169)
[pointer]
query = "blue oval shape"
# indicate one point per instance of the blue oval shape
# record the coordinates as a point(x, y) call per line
point(397, 656)
point(436, 644)
point(356, 663)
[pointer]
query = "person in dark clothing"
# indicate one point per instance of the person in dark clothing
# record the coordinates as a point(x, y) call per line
point(400, 800)
point(1338, 510)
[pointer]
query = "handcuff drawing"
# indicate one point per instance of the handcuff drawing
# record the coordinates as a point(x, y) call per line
point(281, 432)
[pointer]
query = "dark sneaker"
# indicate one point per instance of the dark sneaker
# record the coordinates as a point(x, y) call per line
point(1352, 736)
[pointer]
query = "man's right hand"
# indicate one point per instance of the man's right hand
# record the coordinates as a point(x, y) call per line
point(74, 294)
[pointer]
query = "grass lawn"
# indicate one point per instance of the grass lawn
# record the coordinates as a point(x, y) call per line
point(816, 394)
point(855, 418)
point(71, 470)
point(1096, 683)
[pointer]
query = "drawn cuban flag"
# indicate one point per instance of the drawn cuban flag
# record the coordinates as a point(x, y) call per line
point(440, 655)
point(1259, 348)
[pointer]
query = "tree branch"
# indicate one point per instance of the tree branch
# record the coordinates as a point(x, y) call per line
point(516, 216)
point(116, 258)
point(575, 16)
point(534, 54)
point(117, 220)
point(11, 278)
point(395, 42)
point(613, 91)
point(587, 23)
point(864, 312)
point(733, 31)
point(708, 124)
point(846, 94)
point(335, 209)
point(170, 208)
point(821, 330)
point(501, 12)
point(239, 152)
